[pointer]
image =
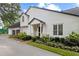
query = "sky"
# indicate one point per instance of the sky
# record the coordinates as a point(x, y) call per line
point(52, 6)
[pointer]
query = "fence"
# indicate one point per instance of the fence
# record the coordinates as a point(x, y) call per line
point(3, 31)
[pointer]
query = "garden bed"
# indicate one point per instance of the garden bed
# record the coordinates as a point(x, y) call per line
point(53, 49)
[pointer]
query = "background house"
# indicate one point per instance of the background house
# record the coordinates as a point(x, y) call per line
point(74, 10)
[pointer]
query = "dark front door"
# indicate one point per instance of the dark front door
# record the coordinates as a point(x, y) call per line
point(39, 31)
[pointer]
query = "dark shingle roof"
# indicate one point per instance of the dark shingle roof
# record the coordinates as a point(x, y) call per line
point(15, 25)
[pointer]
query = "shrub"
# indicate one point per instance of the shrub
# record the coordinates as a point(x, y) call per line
point(56, 50)
point(69, 43)
point(22, 36)
point(65, 41)
point(54, 44)
point(67, 47)
point(38, 37)
point(73, 37)
point(51, 39)
point(60, 45)
point(64, 44)
point(76, 49)
point(77, 42)
point(57, 39)
point(28, 37)
point(45, 39)
point(34, 39)
point(38, 41)
point(62, 40)
point(50, 44)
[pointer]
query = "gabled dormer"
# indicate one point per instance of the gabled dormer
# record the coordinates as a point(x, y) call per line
point(24, 19)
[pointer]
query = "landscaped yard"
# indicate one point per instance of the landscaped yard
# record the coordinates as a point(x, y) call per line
point(53, 49)
point(67, 46)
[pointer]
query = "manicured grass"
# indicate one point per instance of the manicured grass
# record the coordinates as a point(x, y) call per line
point(53, 49)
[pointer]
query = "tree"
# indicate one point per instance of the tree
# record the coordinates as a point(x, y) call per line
point(9, 12)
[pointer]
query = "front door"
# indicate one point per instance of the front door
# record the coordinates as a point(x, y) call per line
point(39, 31)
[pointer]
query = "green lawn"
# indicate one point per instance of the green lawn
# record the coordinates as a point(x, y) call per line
point(56, 50)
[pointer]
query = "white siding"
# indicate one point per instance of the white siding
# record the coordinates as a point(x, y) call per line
point(70, 23)
point(24, 29)
point(10, 30)
point(25, 23)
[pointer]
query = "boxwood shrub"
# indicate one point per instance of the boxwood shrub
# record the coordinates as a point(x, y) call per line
point(45, 39)
point(28, 37)
point(34, 38)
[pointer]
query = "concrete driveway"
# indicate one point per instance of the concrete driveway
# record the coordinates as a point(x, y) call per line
point(10, 47)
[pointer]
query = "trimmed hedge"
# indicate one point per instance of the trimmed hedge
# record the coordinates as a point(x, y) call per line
point(22, 36)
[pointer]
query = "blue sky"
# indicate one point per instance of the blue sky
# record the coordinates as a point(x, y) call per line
point(53, 6)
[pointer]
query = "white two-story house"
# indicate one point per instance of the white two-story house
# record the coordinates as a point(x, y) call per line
point(41, 22)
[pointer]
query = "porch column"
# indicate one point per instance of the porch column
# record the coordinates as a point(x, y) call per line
point(30, 29)
point(40, 29)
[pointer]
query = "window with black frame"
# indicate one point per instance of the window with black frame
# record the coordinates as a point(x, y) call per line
point(54, 29)
point(58, 29)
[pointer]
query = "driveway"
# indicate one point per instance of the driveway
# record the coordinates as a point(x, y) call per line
point(10, 47)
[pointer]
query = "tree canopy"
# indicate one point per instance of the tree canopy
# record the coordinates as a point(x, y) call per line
point(9, 12)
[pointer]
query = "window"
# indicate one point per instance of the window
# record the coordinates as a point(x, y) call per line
point(22, 18)
point(55, 29)
point(58, 29)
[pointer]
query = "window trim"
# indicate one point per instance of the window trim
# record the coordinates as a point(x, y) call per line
point(57, 30)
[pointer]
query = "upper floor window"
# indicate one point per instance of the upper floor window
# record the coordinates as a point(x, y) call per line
point(58, 29)
point(22, 18)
